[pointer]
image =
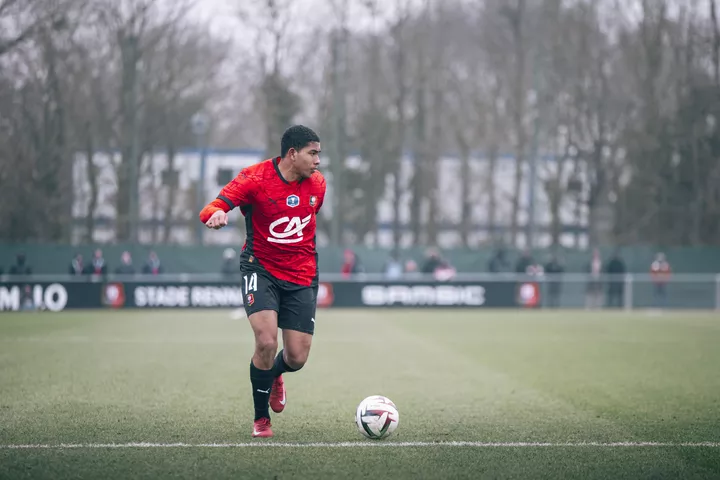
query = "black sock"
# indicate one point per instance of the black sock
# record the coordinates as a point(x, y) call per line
point(262, 381)
point(280, 367)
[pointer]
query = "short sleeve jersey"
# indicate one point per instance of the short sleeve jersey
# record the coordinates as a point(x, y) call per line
point(280, 217)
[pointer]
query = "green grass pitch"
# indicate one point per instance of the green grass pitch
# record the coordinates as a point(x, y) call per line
point(566, 394)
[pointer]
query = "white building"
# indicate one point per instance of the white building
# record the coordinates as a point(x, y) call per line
point(222, 165)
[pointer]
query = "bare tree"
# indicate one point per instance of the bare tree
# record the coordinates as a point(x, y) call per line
point(399, 57)
point(35, 146)
point(180, 79)
point(715, 41)
point(515, 15)
point(128, 22)
point(270, 21)
point(465, 126)
point(339, 38)
point(375, 132)
point(25, 19)
point(495, 74)
point(134, 30)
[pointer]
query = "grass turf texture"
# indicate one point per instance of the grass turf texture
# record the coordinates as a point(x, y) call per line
point(117, 377)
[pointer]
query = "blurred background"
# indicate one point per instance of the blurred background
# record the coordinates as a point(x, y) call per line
point(460, 137)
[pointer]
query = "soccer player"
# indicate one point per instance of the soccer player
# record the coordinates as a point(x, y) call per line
point(280, 199)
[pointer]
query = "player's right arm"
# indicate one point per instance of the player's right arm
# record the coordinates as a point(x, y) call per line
point(240, 191)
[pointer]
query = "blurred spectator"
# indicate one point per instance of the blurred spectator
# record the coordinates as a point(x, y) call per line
point(436, 265)
point(230, 266)
point(411, 268)
point(152, 266)
point(524, 262)
point(499, 262)
point(20, 267)
point(593, 297)
point(126, 266)
point(76, 265)
point(535, 270)
point(554, 268)
point(660, 272)
point(351, 264)
point(432, 261)
point(393, 267)
point(27, 302)
point(97, 265)
point(616, 269)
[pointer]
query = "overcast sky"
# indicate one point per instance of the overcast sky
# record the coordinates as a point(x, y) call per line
point(320, 13)
point(317, 14)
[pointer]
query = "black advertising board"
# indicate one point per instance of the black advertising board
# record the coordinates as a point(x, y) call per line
point(58, 296)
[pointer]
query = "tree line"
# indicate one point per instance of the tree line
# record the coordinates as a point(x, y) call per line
point(624, 95)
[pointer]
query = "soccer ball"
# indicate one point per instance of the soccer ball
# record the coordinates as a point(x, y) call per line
point(377, 417)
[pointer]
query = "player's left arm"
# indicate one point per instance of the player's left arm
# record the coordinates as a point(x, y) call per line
point(321, 193)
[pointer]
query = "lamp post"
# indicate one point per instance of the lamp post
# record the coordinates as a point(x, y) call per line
point(200, 123)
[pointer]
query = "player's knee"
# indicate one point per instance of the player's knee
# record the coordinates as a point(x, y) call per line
point(266, 346)
point(296, 358)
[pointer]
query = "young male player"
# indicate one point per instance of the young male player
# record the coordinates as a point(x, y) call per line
point(280, 199)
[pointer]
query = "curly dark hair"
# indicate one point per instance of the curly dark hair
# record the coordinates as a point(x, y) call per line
point(297, 137)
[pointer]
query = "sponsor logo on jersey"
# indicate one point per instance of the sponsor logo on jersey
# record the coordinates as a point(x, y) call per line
point(288, 230)
point(293, 201)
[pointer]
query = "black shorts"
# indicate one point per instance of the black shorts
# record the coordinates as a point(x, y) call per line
point(294, 304)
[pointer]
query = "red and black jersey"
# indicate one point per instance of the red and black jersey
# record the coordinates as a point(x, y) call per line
point(280, 219)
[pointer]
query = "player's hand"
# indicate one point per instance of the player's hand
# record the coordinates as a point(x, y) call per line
point(218, 220)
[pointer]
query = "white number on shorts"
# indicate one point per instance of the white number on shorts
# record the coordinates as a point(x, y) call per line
point(250, 283)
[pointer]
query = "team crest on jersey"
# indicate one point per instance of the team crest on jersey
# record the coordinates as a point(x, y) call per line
point(313, 200)
point(250, 299)
point(293, 201)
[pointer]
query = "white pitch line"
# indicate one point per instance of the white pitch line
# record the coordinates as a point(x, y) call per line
point(367, 444)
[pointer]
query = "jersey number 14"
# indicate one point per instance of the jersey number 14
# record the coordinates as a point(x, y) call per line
point(250, 283)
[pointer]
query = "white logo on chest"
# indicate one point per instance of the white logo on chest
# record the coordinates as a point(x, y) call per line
point(293, 231)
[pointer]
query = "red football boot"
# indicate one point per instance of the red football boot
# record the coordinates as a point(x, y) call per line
point(262, 429)
point(277, 395)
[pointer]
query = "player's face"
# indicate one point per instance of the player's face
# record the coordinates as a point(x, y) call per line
point(307, 160)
